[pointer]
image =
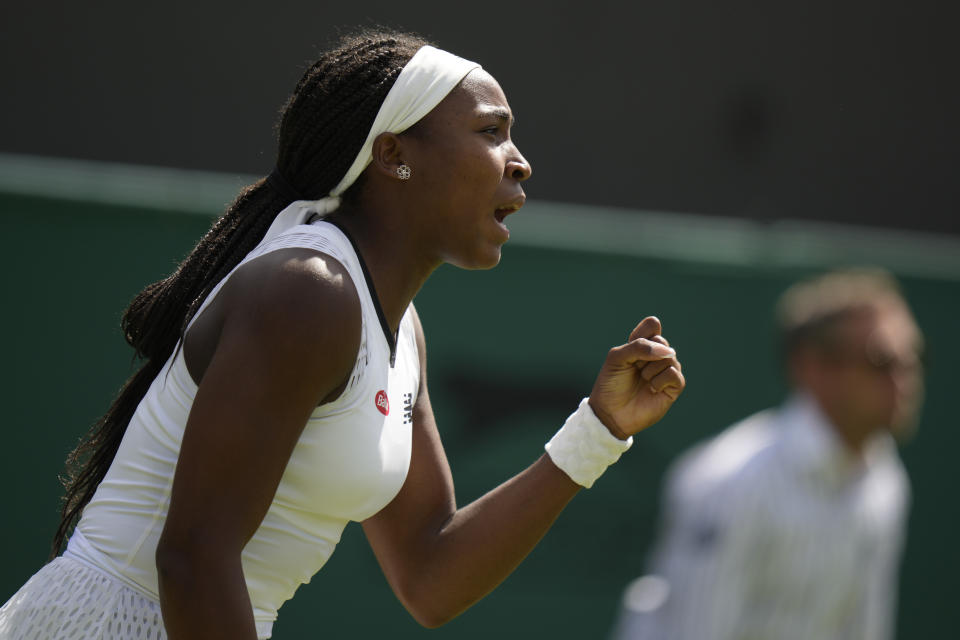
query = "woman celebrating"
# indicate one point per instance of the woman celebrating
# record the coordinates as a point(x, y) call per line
point(284, 389)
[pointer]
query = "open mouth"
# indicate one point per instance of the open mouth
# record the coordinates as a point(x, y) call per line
point(502, 212)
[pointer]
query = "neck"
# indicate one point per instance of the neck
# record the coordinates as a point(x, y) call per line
point(852, 434)
point(398, 269)
point(854, 440)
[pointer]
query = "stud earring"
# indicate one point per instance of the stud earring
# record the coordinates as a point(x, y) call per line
point(403, 172)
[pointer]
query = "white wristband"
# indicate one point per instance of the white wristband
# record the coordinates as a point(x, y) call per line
point(583, 448)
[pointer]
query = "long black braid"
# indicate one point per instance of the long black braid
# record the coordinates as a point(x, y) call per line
point(322, 127)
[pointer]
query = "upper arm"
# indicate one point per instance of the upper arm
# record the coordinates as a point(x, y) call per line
point(290, 334)
point(426, 501)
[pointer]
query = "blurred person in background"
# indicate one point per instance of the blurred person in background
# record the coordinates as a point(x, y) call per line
point(790, 523)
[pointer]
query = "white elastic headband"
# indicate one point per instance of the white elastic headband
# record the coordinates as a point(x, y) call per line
point(426, 80)
point(422, 84)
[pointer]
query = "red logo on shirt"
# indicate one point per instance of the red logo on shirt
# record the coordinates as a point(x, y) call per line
point(383, 405)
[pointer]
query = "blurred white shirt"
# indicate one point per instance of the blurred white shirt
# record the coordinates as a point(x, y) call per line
point(771, 530)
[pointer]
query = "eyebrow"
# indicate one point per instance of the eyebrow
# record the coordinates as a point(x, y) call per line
point(499, 113)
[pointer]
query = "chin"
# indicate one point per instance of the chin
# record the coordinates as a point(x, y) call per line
point(477, 262)
point(904, 426)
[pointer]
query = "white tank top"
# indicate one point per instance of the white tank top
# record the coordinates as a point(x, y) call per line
point(349, 462)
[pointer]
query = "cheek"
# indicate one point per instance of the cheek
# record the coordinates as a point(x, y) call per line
point(859, 390)
point(473, 169)
point(881, 395)
point(449, 175)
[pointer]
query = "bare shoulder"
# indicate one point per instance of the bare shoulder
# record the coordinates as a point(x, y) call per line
point(292, 311)
point(299, 292)
point(297, 279)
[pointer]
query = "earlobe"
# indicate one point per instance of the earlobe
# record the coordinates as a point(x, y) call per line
point(387, 156)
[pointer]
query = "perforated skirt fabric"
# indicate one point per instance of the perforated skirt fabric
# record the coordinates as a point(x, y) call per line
point(68, 600)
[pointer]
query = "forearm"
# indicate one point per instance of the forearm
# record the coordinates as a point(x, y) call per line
point(204, 596)
point(438, 559)
point(483, 542)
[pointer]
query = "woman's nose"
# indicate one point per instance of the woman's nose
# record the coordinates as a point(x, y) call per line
point(517, 166)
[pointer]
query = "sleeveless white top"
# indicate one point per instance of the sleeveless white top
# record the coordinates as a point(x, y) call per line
point(350, 461)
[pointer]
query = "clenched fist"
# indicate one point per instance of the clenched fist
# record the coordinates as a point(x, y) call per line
point(639, 381)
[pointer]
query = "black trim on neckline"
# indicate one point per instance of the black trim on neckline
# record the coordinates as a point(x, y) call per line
point(384, 325)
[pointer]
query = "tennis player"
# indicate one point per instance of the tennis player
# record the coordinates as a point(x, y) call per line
point(283, 390)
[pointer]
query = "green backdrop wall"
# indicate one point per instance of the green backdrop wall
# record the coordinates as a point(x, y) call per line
point(511, 351)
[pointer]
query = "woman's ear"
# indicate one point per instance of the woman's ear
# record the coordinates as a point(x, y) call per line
point(387, 154)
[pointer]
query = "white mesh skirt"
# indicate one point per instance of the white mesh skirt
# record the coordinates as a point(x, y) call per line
point(68, 600)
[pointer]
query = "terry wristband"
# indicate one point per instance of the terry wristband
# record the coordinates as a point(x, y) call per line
point(583, 448)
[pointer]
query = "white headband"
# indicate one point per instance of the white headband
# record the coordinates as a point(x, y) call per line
point(422, 84)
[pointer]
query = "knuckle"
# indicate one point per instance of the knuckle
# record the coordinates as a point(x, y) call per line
point(644, 345)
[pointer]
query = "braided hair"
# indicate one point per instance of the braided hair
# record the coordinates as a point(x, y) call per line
point(322, 128)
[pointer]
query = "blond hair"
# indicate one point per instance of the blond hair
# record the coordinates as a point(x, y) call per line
point(808, 312)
